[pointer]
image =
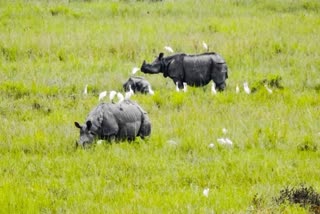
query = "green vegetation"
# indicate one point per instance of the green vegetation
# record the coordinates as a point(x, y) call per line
point(49, 50)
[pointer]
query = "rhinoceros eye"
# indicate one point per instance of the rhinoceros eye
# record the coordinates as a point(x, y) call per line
point(92, 133)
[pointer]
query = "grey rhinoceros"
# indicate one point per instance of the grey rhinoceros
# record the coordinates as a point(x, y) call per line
point(195, 70)
point(138, 84)
point(114, 121)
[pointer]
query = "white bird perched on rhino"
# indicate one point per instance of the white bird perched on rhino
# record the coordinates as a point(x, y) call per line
point(120, 97)
point(112, 95)
point(102, 95)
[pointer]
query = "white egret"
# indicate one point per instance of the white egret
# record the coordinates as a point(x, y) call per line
point(206, 192)
point(185, 87)
point(169, 49)
point(150, 90)
point(112, 95)
point(228, 142)
point(129, 93)
point(222, 141)
point(225, 141)
point(172, 142)
point(134, 70)
point(237, 89)
point(213, 88)
point(120, 97)
point(85, 91)
point(177, 87)
point(268, 89)
point(224, 131)
point(102, 95)
point(205, 46)
point(130, 90)
point(246, 88)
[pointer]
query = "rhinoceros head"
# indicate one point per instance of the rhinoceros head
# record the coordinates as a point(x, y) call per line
point(86, 135)
point(153, 68)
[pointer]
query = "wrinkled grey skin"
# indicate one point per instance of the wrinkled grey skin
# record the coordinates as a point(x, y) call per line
point(114, 121)
point(195, 70)
point(138, 84)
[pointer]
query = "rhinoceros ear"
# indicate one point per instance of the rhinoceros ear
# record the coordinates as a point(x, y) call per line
point(77, 125)
point(89, 124)
point(160, 56)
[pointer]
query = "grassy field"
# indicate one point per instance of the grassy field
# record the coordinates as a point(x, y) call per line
point(49, 51)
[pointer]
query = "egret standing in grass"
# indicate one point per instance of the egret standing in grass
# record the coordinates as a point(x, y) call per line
point(85, 91)
point(222, 141)
point(246, 88)
point(130, 90)
point(228, 141)
point(213, 88)
point(206, 192)
point(205, 46)
point(129, 93)
point(237, 89)
point(134, 70)
point(169, 49)
point(268, 89)
point(211, 145)
point(102, 95)
point(224, 131)
point(150, 90)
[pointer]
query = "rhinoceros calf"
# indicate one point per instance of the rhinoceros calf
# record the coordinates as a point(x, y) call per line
point(114, 121)
point(195, 70)
point(137, 84)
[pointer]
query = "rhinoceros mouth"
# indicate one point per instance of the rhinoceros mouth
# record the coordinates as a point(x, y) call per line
point(148, 68)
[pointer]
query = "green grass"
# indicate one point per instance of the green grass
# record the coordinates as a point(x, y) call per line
point(49, 50)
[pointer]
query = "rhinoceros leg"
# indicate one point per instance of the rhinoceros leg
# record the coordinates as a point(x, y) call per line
point(178, 83)
point(110, 129)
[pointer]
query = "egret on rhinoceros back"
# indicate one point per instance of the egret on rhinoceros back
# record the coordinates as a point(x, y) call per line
point(195, 70)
